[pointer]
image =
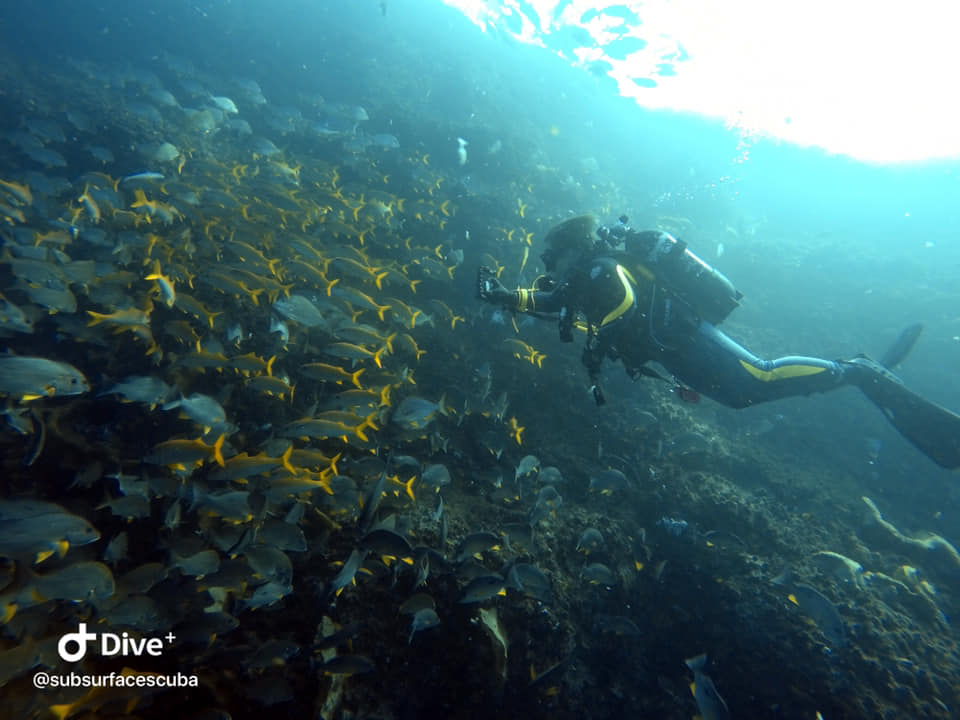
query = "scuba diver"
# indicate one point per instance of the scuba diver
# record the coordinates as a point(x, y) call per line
point(643, 297)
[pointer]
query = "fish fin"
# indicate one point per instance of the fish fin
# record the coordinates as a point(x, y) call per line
point(325, 484)
point(218, 450)
point(9, 611)
point(286, 460)
point(333, 464)
point(61, 712)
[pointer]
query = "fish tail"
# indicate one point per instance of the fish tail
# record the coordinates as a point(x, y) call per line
point(61, 712)
point(325, 481)
point(333, 466)
point(218, 450)
point(8, 611)
point(285, 458)
point(356, 378)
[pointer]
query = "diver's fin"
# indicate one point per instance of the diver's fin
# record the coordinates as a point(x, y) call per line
point(901, 347)
point(934, 430)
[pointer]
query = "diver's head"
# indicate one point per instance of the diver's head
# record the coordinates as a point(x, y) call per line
point(568, 242)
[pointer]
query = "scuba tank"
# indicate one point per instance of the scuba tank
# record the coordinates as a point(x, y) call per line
point(704, 288)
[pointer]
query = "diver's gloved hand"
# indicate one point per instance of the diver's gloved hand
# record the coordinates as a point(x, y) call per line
point(491, 290)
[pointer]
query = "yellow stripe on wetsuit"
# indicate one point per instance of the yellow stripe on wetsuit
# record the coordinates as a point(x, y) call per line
point(525, 299)
point(781, 373)
point(628, 297)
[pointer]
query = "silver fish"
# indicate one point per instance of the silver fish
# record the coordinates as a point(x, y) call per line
point(30, 377)
point(482, 588)
point(709, 702)
point(13, 318)
point(415, 413)
point(823, 612)
point(301, 310)
point(423, 619)
point(203, 410)
point(144, 389)
point(529, 465)
point(435, 475)
point(29, 527)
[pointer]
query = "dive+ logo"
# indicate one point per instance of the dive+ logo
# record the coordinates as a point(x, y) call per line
point(73, 646)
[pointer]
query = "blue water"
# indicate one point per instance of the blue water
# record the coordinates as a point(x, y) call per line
point(834, 256)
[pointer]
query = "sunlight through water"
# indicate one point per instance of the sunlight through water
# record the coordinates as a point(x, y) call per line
point(864, 79)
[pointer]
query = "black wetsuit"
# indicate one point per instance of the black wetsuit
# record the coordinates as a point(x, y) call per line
point(632, 318)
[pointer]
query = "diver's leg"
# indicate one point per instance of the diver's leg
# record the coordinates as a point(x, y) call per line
point(713, 364)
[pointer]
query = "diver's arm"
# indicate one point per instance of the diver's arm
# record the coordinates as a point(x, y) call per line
point(491, 290)
point(540, 301)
